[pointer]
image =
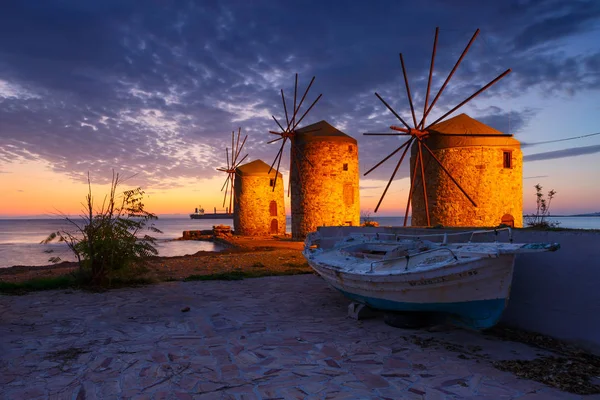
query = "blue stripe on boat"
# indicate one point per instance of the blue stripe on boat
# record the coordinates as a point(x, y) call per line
point(479, 314)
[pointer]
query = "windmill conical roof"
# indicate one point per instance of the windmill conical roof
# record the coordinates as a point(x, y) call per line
point(463, 125)
point(256, 167)
point(322, 130)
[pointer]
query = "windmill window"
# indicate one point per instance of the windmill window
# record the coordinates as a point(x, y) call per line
point(507, 159)
point(273, 208)
point(271, 182)
point(345, 167)
point(350, 148)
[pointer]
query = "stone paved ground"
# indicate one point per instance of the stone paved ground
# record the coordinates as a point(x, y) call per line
point(267, 338)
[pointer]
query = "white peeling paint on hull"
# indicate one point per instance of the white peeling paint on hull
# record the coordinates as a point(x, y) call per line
point(483, 279)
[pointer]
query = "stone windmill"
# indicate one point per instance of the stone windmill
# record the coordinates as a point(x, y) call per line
point(232, 163)
point(323, 171)
point(463, 173)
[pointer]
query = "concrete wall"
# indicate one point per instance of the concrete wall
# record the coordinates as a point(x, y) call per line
point(556, 294)
point(479, 171)
point(324, 193)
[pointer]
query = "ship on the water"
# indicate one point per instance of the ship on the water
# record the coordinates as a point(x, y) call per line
point(200, 214)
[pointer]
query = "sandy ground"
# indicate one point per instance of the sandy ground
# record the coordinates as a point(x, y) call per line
point(245, 254)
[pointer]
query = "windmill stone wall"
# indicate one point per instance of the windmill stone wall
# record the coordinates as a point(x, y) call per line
point(476, 159)
point(325, 193)
point(259, 211)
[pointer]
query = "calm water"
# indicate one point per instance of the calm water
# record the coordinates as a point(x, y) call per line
point(20, 238)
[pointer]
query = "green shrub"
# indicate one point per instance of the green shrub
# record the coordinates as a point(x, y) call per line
point(538, 220)
point(109, 243)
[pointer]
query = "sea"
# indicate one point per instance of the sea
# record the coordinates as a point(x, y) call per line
point(20, 239)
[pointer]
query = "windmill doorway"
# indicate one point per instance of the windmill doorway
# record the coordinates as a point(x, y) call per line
point(508, 220)
point(274, 227)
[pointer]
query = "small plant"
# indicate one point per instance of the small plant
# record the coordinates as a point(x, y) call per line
point(538, 220)
point(108, 244)
point(367, 220)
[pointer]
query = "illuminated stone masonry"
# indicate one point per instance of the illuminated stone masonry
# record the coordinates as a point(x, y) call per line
point(259, 211)
point(325, 192)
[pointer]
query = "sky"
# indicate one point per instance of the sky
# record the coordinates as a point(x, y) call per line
point(153, 90)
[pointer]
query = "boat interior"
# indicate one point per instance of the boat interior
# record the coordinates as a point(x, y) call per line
point(386, 250)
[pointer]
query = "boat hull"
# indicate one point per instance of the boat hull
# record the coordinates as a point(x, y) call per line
point(474, 294)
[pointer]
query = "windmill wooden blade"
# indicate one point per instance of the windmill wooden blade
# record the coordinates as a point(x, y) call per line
point(301, 101)
point(241, 147)
point(392, 178)
point(411, 190)
point(226, 180)
point(279, 153)
point(412, 109)
point(449, 76)
point(231, 196)
point(424, 184)
point(278, 124)
point(449, 175)
point(502, 75)
point(241, 161)
point(290, 177)
point(392, 110)
point(232, 148)
point(306, 112)
point(295, 92)
point(233, 162)
point(275, 140)
point(278, 164)
point(287, 120)
point(437, 30)
point(237, 143)
point(226, 190)
point(401, 129)
point(407, 143)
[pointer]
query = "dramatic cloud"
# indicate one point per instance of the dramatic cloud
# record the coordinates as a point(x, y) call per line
point(565, 153)
point(156, 88)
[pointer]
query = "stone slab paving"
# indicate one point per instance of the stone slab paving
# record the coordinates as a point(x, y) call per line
point(267, 338)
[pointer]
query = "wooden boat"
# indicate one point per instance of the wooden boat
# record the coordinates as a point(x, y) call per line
point(468, 281)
